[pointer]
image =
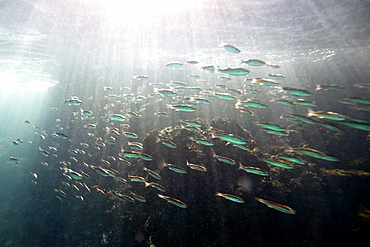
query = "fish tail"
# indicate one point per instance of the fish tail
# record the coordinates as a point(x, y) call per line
point(240, 165)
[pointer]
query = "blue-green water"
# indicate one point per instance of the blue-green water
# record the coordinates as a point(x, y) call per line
point(68, 176)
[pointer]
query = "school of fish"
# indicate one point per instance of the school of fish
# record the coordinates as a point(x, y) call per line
point(178, 96)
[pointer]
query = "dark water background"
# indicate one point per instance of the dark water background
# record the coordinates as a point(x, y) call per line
point(76, 48)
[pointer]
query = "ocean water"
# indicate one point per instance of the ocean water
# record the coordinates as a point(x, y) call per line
point(80, 128)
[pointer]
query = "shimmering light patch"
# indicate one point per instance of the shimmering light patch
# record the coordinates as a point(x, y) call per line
point(128, 11)
point(10, 81)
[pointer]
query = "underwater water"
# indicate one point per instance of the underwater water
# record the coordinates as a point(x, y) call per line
point(195, 123)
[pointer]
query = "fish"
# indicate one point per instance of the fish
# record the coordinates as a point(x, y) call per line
point(80, 197)
point(230, 197)
point(167, 92)
point(146, 157)
point(253, 170)
point(327, 115)
point(242, 147)
point(331, 127)
point(173, 201)
point(191, 128)
point(73, 151)
point(235, 71)
point(175, 168)
point(61, 135)
point(59, 198)
point(184, 108)
point(124, 161)
point(230, 138)
point(74, 174)
point(73, 101)
point(284, 102)
point(192, 62)
point(252, 91)
point(267, 82)
point(254, 62)
point(135, 146)
point(276, 206)
point(252, 103)
point(360, 100)
point(297, 92)
point(134, 178)
point(110, 172)
point(362, 108)
point(202, 101)
point(300, 118)
point(130, 135)
point(356, 125)
point(230, 48)
point(275, 66)
point(276, 132)
point(101, 191)
point(44, 163)
point(202, 141)
point(178, 83)
point(226, 96)
point(44, 152)
point(347, 102)
point(119, 179)
point(86, 112)
point(174, 65)
point(156, 186)
point(131, 154)
point(225, 159)
point(122, 197)
point(191, 123)
point(141, 77)
point(152, 173)
point(235, 91)
point(84, 144)
point(90, 126)
point(305, 102)
point(363, 85)
point(138, 197)
point(60, 192)
point(132, 114)
point(225, 78)
point(117, 117)
point(277, 76)
point(271, 126)
point(244, 110)
point(194, 76)
point(168, 143)
point(279, 163)
point(313, 153)
point(196, 167)
point(112, 96)
point(162, 114)
point(209, 68)
point(14, 160)
point(100, 144)
point(100, 170)
point(86, 187)
point(292, 159)
point(332, 87)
